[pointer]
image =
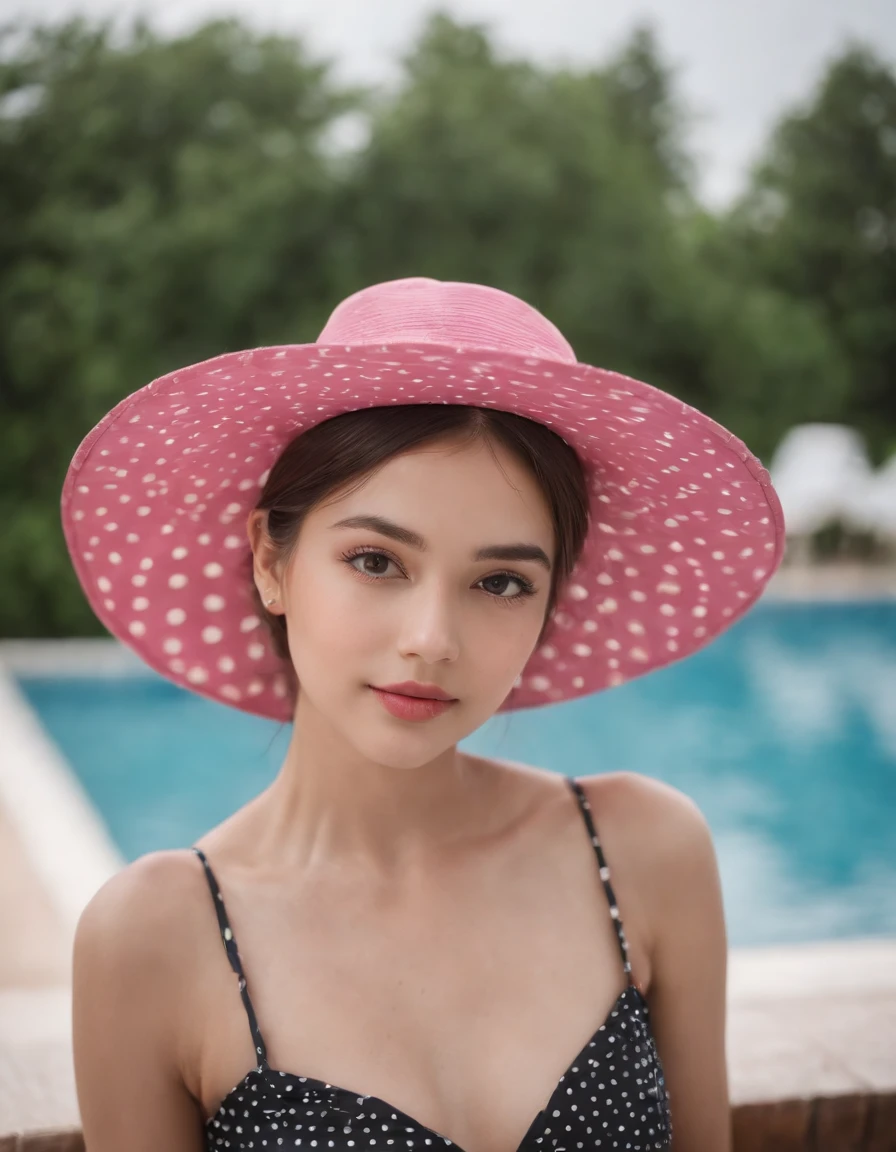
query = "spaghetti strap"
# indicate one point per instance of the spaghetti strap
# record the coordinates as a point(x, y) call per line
point(604, 875)
point(234, 957)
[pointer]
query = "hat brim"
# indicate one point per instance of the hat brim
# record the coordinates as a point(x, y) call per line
point(686, 529)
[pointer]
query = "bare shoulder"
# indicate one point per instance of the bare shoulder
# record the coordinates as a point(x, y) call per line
point(649, 810)
point(660, 849)
point(660, 829)
point(631, 809)
point(626, 803)
point(143, 919)
point(135, 995)
point(152, 886)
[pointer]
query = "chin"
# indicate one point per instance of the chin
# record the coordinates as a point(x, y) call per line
point(403, 751)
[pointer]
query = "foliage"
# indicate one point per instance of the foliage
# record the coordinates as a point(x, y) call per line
point(164, 200)
point(818, 224)
point(160, 202)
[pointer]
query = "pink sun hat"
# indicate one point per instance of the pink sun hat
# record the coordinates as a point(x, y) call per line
point(685, 527)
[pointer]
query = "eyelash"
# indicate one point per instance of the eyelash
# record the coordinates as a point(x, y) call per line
point(527, 588)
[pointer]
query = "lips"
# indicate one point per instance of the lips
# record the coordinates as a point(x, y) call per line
point(405, 707)
point(415, 690)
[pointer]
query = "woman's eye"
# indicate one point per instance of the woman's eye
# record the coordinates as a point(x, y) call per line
point(502, 579)
point(490, 582)
point(503, 585)
point(370, 563)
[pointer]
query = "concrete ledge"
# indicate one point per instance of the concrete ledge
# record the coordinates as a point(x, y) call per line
point(812, 1020)
point(833, 581)
point(101, 656)
point(63, 837)
point(832, 967)
point(835, 1045)
point(37, 1074)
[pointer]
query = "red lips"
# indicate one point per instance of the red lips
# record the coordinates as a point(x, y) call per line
point(413, 688)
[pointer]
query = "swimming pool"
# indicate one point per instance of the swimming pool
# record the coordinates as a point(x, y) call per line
point(783, 731)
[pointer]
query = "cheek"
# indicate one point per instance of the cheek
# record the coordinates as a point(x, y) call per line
point(511, 647)
point(326, 615)
point(497, 646)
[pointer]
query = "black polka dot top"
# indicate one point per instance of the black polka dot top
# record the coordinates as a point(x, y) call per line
point(612, 1095)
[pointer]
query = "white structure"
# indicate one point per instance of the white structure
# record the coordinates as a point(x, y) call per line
point(822, 475)
point(875, 507)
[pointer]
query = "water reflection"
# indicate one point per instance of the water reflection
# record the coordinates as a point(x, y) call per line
point(767, 901)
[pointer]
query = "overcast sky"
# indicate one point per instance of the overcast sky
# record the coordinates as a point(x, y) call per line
point(740, 63)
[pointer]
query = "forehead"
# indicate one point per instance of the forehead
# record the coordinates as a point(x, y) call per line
point(468, 489)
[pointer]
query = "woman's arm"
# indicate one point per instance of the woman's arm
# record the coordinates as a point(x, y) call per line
point(661, 840)
point(689, 961)
point(130, 1089)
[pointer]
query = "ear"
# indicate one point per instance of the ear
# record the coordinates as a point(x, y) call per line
point(265, 561)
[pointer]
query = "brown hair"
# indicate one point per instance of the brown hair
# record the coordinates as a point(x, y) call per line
point(344, 450)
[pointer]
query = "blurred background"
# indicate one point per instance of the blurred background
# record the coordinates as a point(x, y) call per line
point(715, 217)
point(699, 195)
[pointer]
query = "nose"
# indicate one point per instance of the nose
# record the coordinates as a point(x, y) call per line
point(430, 625)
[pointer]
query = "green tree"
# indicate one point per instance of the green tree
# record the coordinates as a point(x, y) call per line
point(164, 200)
point(160, 202)
point(491, 169)
point(818, 225)
point(645, 107)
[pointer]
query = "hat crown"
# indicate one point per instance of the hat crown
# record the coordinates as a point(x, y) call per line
point(418, 310)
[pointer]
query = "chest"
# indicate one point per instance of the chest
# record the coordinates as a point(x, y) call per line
point(612, 1094)
point(460, 1000)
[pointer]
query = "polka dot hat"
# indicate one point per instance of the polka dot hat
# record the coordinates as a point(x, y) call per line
point(685, 529)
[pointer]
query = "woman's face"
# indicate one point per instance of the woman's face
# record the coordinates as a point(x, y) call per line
point(365, 609)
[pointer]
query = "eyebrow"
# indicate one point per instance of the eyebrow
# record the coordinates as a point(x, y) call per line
point(415, 540)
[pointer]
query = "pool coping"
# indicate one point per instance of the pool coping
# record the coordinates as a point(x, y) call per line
point(792, 1009)
point(64, 838)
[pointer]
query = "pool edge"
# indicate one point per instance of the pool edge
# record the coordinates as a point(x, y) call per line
point(64, 838)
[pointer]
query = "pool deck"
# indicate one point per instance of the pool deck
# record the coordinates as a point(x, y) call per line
point(803, 1020)
point(842, 580)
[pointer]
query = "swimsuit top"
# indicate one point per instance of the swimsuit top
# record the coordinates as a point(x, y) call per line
point(612, 1095)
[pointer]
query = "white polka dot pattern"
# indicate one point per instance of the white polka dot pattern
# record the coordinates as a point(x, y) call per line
point(612, 1096)
point(686, 529)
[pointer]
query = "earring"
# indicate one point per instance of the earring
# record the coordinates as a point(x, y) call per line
point(271, 600)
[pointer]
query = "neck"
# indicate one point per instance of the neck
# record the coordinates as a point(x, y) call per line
point(332, 805)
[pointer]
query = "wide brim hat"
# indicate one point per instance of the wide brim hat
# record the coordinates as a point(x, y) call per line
point(685, 527)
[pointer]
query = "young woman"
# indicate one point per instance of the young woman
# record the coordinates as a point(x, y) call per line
point(431, 515)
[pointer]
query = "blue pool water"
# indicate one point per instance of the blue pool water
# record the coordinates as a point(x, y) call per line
point(783, 731)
